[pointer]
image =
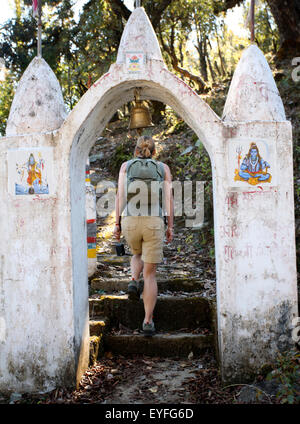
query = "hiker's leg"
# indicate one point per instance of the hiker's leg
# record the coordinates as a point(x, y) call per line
point(150, 290)
point(136, 266)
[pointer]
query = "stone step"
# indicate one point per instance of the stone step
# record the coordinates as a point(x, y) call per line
point(161, 344)
point(98, 326)
point(114, 259)
point(172, 284)
point(170, 313)
point(97, 329)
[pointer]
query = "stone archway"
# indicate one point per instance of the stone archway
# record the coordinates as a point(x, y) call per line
point(81, 129)
point(43, 272)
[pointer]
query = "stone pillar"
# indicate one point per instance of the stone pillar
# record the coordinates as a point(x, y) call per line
point(36, 292)
point(257, 294)
point(91, 222)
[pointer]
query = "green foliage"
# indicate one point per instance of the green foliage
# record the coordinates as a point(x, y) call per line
point(189, 239)
point(266, 31)
point(6, 96)
point(79, 52)
point(123, 152)
point(287, 374)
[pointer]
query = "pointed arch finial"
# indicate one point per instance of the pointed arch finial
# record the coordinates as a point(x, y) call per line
point(139, 36)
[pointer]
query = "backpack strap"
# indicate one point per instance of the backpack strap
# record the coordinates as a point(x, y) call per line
point(162, 170)
point(129, 163)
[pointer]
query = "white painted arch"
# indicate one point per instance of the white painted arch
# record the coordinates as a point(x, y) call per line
point(43, 273)
point(86, 123)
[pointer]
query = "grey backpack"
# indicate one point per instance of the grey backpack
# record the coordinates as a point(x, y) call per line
point(148, 171)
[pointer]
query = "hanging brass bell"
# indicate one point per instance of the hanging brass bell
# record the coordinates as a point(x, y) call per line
point(140, 116)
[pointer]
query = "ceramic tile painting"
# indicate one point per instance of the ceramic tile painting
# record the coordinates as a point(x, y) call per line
point(251, 163)
point(30, 171)
point(135, 62)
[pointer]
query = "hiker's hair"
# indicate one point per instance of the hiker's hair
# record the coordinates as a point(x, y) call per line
point(145, 146)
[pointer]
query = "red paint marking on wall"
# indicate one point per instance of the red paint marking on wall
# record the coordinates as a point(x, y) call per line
point(230, 252)
point(184, 84)
point(249, 251)
point(231, 200)
point(229, 231)
point(101, 79)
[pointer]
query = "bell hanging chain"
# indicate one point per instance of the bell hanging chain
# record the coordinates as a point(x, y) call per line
point(252, 7)
point(39, 46)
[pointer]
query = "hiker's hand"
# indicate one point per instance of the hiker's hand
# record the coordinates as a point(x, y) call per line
point(169, 234)
point(117, 232)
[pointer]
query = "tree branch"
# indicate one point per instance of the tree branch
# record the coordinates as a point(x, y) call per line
point(184, 72)
point(119, 8)
point(223, 5)
point(157, 10)
point(154, 10)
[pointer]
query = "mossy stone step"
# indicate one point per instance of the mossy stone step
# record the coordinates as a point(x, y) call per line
point(171, 284)
point(96, 348)
point(170, 313)
point(97, 329)
point(98, 326)
point(113, 259)
point(164, 345)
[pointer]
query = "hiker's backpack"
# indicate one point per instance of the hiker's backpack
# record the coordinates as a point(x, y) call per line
point(148, 171)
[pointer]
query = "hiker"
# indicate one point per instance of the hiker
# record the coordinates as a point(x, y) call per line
point(144, 227)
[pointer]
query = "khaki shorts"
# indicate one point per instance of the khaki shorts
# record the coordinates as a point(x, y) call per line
point(144, 235)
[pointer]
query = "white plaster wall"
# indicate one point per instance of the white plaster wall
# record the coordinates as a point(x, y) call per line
point(38, 104)
point(253, 94)
point(257, 291)
point(247, 307)
point(256, 294)
point(37, 350)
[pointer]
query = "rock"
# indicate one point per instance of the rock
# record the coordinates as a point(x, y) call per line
point(262, 391)
point(249, 394)
point(98, 156)
point(191, 355)
point(15, 397)
point(95, 178)
point(187, 150)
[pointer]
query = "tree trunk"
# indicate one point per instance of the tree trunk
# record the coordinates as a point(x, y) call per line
point(158, 108)
point(222, 60)
point(170, 49)
point(212, 73)
point(202, 60)
point(287, 17)
point(217, 68)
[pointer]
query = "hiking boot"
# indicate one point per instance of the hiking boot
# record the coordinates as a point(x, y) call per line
point(133, 290)
point(148, 328)
point(141, 287)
